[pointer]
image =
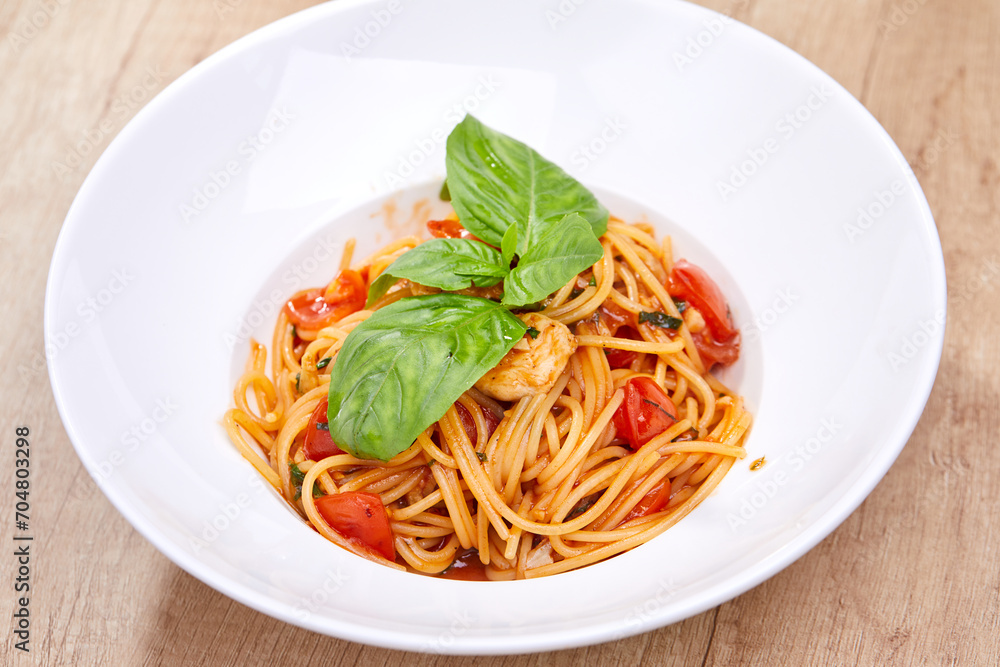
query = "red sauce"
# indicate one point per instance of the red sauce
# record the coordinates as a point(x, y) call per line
point(467, 567)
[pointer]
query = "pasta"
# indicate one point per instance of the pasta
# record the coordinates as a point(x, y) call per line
point(620, 439)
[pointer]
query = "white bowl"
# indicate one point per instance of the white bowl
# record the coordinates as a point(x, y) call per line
point(238, 184)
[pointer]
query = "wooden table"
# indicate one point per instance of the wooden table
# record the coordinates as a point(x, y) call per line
point(912, 577)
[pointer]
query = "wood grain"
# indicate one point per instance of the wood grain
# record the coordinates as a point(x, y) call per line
point(912, 577)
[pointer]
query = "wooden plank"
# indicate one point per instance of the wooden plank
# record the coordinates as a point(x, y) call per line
point(910, 578)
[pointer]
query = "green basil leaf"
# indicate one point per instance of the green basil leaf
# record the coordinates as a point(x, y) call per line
point(496, 181)
point(508, 246)
point(662, 320)
point(448, 264)
point(400, 370)
point(559, 250)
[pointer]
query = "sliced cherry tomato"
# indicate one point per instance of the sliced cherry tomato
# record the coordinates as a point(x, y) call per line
point(309, 310)
point(319, 444)
point(623, 358)
point(359, 517)
point(713, 352)
point(652, 502)
point(692, 284)
point(317, 308)
point(449, 229)
point(347, 289)
point(470, 424)
point(615, 317)
point(645, 413)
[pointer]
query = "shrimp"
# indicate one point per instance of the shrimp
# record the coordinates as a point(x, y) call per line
point(534, 364)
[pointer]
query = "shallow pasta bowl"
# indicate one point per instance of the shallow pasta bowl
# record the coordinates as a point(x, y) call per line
point(241, 182)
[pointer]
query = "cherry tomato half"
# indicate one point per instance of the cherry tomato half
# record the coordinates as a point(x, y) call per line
point(652, 502)
point(320, 307)
point(359, 517)
point(645, 413)
point(713, 352)
point(615, 317)
point(449, 229)
point(623, 358)
point(692, 284)
point(319, 444)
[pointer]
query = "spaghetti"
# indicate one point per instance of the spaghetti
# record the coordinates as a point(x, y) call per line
point(628, 435)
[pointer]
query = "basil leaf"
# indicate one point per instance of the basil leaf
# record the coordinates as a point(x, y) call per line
point(496, 182)
point(662, 320)
point(508, 246)
point(444, 195)
point(448, 264)
point(400, 370)
point(559, 250)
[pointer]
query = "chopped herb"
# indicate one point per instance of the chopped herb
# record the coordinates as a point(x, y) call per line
point(661, 320)
point(681, 305)
point(758, 464)
point(297, 477)
point(575, 293)
point(581, 507)
point(481, 456)
point(298, 376)
point(431, 462)
point(593, 281)
point(323, 363)
point(533, 332)
point(444, 195)
point(322, 426)
point(295, 332)
point(660, 408)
